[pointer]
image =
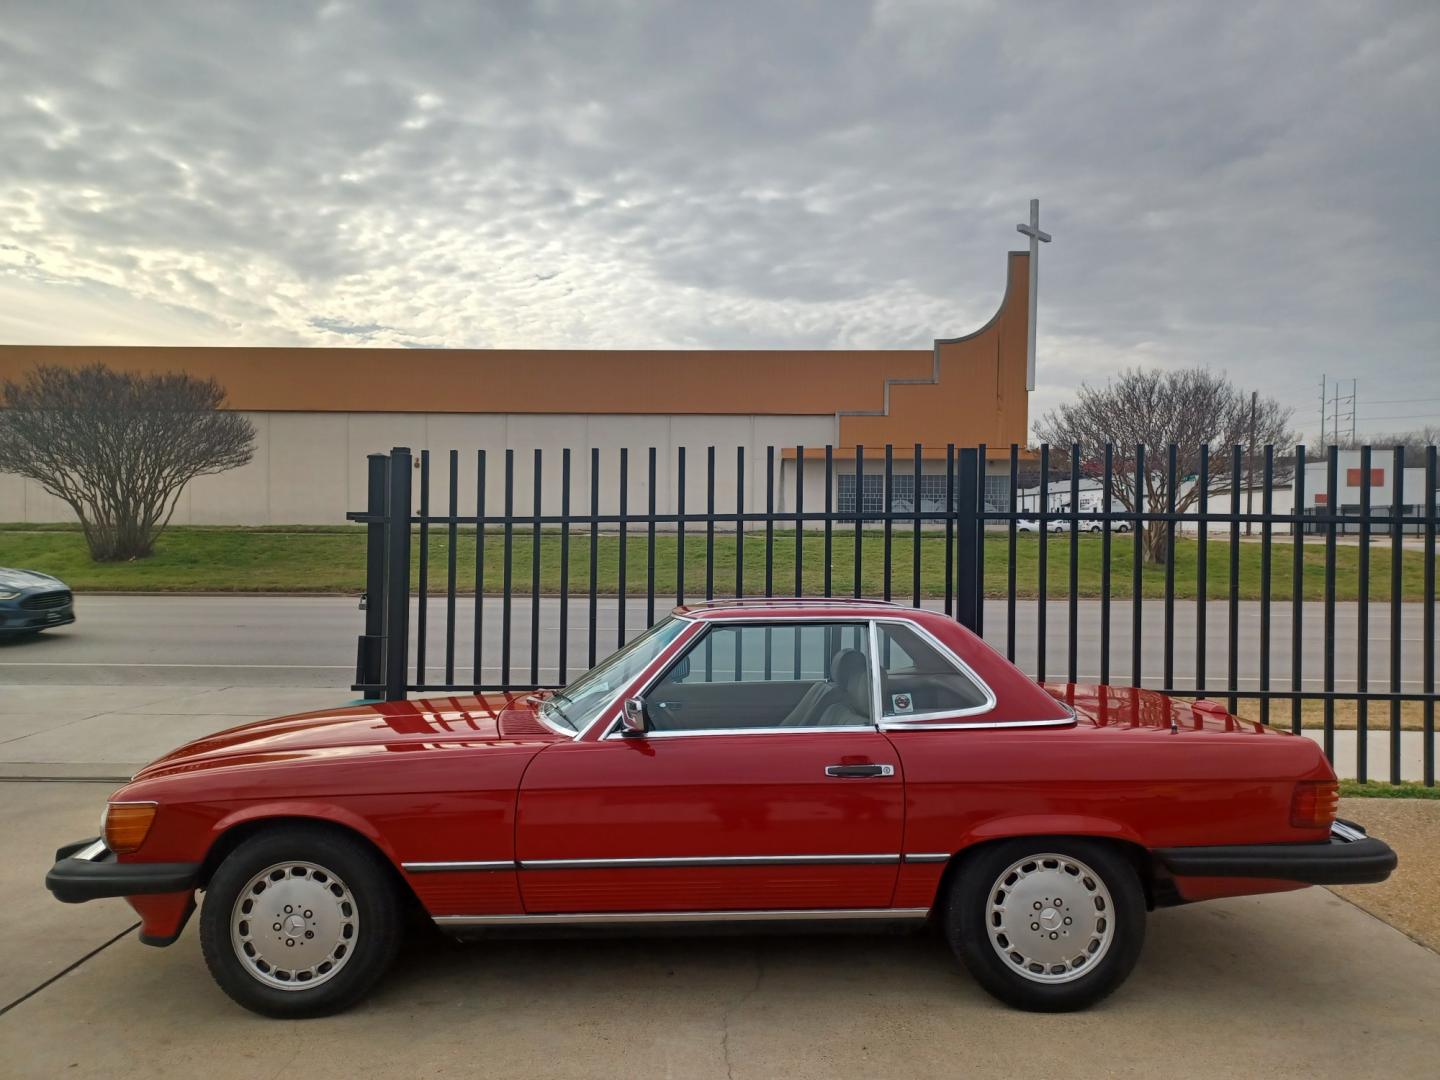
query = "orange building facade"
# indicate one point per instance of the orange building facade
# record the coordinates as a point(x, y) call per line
point(318, 412)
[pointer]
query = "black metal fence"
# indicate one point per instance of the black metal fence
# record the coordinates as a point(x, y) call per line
point(464, 589)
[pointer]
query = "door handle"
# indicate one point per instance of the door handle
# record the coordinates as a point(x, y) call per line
point(858, 771)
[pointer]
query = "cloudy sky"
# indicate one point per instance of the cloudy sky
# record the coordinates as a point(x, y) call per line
point(1250, 186)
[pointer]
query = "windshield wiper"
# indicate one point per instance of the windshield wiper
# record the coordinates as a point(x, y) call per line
point(549, 706)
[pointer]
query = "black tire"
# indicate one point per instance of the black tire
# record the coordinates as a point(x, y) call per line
point(969, 915)
point(345, 862)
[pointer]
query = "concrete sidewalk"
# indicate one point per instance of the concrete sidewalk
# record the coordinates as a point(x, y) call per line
point(1299, 984)
point(110, 731)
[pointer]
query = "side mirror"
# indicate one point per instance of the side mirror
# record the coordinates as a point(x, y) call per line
point(633, 722)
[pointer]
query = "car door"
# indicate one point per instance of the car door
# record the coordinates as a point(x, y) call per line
point(759, 808)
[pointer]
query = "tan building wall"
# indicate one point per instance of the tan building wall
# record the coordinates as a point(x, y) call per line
point(318, 412)
point(310, 468)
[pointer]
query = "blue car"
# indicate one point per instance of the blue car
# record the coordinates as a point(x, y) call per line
point(31, 602)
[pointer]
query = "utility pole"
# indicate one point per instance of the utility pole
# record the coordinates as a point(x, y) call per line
point(1354, 409)
point(1322, 411)
point(1250, 465)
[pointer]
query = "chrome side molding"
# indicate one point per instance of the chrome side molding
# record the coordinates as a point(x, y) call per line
point(717, 860)
point(634, 918)
point(668, 862)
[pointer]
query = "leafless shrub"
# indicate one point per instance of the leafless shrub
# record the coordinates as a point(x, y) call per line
point(118, 447)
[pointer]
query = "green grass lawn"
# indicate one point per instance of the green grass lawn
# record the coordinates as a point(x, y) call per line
point(332, 559)
point(1353, 789)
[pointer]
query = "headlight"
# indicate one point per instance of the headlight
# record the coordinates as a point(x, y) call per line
point(127, 824)
point(9, 594)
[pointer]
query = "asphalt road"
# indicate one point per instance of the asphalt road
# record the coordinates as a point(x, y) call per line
point(285, 641)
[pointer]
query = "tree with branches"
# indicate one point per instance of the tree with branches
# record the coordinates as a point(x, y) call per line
point(118, 447)
point(1192, 409)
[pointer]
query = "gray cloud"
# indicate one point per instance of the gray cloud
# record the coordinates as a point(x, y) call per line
point(1246, 187)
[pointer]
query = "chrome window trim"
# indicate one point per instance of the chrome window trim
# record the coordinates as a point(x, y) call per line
point(642, 917)
point(730, 603)
point(708, 860)
point(445, 867)
point(946, 654)
point(755, 620)
point(877, 707)
point(615, 734)
point(1060, 721)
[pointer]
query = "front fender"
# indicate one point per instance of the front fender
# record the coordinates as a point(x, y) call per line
point(306, 809)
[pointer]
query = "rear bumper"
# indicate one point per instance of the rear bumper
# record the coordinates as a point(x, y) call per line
point(88, 870)
point(1349, 857)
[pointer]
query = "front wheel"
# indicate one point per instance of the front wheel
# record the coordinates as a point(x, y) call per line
point(300, 921)
point(1047, 925)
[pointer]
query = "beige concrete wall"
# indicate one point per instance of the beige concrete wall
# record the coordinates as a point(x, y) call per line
point(310, 468)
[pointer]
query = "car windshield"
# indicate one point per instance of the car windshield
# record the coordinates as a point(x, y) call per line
point(577, 706)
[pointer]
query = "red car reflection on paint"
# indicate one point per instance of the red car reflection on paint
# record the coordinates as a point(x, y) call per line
point(761, 761)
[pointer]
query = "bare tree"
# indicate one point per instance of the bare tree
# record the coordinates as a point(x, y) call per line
point(118, 447)
point(1191, 409)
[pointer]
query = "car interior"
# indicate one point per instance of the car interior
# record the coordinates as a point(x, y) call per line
point(799, 676)
point(916, 678)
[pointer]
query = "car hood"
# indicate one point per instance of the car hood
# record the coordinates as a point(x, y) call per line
point(25, 579)
point(470, 722)
point(1131, 707)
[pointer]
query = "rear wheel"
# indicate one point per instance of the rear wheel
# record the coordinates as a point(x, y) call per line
point(300, 921)
point(1047, 924)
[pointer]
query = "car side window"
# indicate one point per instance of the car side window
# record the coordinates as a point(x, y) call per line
point(916, 678)
point(767, 675)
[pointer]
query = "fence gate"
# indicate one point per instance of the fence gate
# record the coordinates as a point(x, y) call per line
point(480, 594)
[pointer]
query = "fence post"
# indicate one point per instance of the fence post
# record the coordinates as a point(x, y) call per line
point(967, 548)
point(397, 573)
point(369, 659)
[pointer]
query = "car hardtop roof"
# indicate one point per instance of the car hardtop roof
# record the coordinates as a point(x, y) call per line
point(786, 605)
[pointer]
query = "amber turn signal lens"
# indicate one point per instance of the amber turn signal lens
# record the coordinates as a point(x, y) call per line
point(1315, 804)
point(127, 825)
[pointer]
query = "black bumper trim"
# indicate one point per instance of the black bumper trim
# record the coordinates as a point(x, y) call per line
point(74, 880)
point(1337, 861)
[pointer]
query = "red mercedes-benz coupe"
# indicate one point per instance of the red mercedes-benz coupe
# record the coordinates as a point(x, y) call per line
point(756, 761)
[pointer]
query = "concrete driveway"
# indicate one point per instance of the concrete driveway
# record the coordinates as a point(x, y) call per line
point(1300, 984)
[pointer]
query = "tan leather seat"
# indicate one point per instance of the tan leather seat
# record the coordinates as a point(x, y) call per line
point(854, 707)
point(825, 694)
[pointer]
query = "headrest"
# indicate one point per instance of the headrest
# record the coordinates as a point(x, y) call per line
point(844, 664)
point(852, 674)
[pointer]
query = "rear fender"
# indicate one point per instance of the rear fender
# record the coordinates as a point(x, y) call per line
point(1006, 828)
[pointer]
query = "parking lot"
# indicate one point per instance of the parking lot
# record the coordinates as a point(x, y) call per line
point(1302, 984)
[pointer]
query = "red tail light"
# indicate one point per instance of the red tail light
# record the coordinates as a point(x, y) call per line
point(1315, 804)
